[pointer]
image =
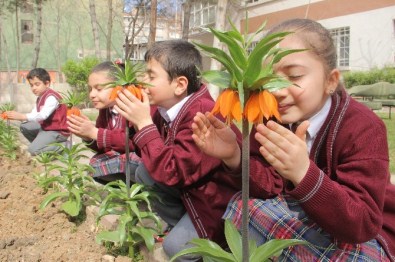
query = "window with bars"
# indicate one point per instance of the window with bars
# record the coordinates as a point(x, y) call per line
point(202, 13)
point(341, 38)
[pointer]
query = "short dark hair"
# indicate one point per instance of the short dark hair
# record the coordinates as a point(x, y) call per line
point(178, 58)
point(40, 73)
point(109, 67)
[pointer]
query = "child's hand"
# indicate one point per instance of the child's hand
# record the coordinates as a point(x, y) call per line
point(131, 108)
point(82, 126)
point(13, 115)
point(284, 150)
point(216, 139)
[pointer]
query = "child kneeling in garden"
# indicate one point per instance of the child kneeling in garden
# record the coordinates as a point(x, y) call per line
point(46, 123)
point(107, 136)
point(193, 187)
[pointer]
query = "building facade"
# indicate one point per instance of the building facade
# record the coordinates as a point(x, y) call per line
point(363, 30)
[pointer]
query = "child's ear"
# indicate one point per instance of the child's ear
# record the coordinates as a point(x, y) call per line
point(333, 81)
point(182, 85)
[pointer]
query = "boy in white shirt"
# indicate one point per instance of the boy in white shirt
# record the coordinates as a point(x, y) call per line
point(46, 123)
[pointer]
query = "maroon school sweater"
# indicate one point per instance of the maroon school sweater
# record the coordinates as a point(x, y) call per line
point(110, 136)
point(57, 120)
point(347, 189)
point(177, 161)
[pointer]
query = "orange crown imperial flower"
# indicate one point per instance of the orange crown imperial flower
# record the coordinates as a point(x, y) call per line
point(73, 111)
point(228, 105)
point(134, 89)
point(261, 104)
point(4, 116)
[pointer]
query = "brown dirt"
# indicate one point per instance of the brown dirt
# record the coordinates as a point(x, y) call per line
point(28, 234)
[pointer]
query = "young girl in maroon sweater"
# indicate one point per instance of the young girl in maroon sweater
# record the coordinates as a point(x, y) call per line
point(107, 137)
point(328, 183)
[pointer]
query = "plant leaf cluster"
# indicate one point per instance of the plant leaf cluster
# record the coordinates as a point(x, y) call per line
point(8, 140)
point(137, 222)
point(212, 252)
point(72, 179)
point(244, 69)
point(73, 99)
point(131, 73)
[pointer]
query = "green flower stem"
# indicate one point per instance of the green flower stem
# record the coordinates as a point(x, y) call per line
point(127, 171)
point(245, 165)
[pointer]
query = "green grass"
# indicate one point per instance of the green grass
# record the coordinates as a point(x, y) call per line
point(390, 123)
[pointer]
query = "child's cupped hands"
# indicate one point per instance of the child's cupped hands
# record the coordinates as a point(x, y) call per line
point(82, 126)
point(284, 150)
point(216, 139)
point(133, 109)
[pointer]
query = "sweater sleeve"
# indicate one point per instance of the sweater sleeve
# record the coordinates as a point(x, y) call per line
point(180, 162)
point(110, 139)
point(265, 182)
point(349, 204)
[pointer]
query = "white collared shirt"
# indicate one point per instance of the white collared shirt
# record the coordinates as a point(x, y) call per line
point(50, 105)
point(171, 114)
point(316, 123)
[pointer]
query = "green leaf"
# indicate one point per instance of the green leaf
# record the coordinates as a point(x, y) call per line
point(52, 197)
point(270, 248)
point(236, 51)
point(223, 58)
point(122, 223)
point(233, 238)
point(255, 61)
point(206, 251)
point(110, 236)
point(71, 207)
point(147, 235)
point(219, 78)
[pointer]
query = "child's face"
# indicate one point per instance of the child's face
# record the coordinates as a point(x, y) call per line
point(98, 93)
point(306, 70)
point(37, 86)
point(161, 91)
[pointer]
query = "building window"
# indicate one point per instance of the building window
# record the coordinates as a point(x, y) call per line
point(341, 38)
point(203, 13)
point(27, 31)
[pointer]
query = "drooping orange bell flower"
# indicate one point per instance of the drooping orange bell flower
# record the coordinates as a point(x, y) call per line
point(73, 111)
point(4, 116)
point(228, 105)
point(134, 89)
point(114, 92)
point(261, 104)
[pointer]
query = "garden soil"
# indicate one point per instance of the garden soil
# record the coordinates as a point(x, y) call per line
point(28, 234)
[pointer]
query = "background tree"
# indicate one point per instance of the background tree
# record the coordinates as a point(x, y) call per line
point(109, 30)
point(152, 26)
point(186, 6)
point(95, 31)
point(137, 18)
point(37, 38)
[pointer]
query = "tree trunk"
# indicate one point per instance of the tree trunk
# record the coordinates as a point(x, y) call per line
point(18, 38)
point(187, 16)
point(137, 21)
point(38, 33)
point(95, 31)
point(9, 76)
point(220, 25)
point(152, 27)
point(109, 30)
